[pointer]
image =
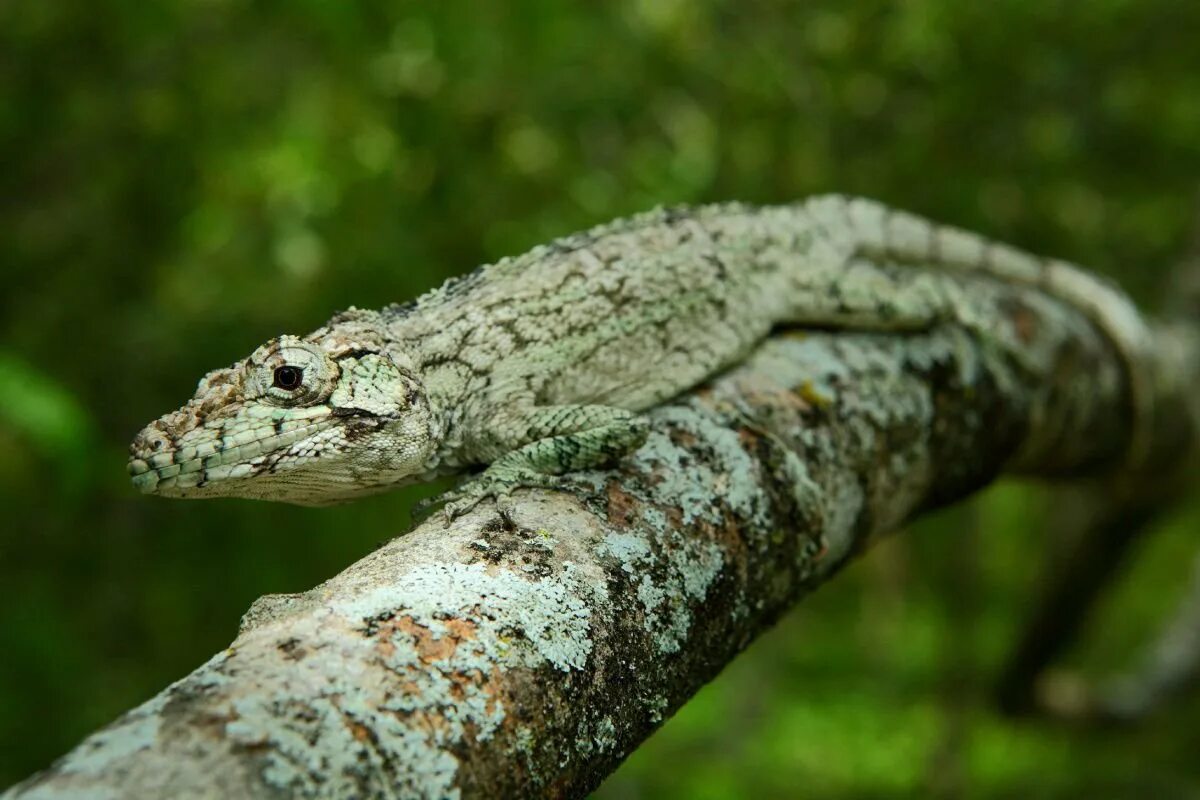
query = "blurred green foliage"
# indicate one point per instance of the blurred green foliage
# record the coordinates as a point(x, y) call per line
point(181, 180)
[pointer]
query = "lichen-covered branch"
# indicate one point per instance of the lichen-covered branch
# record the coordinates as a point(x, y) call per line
point(527, 657)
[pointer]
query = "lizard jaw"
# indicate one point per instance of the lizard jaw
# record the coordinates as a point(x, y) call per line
point(212, 463)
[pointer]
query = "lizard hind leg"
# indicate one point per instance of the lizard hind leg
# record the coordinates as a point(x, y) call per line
point(546, 442)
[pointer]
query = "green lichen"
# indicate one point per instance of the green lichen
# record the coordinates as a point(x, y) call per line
point(550, 614)
point(656, 707)
point(596, 736)
point(138, 730)
point(675, 572)
point(439, 631)
point(688, 483)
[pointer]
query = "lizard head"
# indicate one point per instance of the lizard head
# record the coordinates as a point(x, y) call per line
point(310, 421)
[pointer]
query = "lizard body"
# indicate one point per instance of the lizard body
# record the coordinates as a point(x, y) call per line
point(538, 364)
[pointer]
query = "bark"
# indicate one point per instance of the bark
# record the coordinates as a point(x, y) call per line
point(494, 658)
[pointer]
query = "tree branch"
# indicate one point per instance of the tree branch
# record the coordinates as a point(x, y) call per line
point(1107, 517)
point(488, 659)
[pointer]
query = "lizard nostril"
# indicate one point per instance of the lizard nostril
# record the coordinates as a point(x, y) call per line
point(158, 444)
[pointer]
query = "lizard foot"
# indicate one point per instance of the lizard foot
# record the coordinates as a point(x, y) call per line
point(496, 483)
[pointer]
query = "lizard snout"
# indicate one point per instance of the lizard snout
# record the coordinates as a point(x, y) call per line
point(150, 450)
point(150, 440)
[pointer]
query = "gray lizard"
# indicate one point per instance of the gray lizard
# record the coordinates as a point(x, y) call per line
point(538, 365)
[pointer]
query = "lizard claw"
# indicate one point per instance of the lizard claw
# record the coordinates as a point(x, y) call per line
point(451, 509)
point(463, 499)
point(457, 502)
point(466, 496)
point(425, 508)
point(454, 509)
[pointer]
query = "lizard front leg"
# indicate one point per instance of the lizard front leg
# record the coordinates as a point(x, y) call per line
point(533, 448)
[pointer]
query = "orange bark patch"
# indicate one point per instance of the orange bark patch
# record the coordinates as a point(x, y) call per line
point(429, 646)
point(620, 504)
point(360, 732)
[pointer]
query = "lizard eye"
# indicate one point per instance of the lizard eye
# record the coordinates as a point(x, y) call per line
point(290, 373)
point(288, 378)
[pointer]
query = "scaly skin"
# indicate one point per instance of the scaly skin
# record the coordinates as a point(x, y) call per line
point(537, 365)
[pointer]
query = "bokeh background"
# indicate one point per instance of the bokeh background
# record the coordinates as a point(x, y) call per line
point(182, 180)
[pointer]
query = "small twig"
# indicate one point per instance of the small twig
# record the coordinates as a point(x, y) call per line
point(1068, 596)
point(1170, 667)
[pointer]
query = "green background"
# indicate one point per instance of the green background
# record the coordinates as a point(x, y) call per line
point(182, 180)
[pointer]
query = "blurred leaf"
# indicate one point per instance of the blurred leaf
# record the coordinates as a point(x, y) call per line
point(49, 418)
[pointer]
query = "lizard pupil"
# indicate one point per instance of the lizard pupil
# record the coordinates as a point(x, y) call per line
point(288, 378)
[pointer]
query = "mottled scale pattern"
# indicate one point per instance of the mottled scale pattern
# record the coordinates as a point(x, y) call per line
point(537, 364)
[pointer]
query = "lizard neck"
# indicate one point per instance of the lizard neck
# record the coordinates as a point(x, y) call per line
point(449, 386)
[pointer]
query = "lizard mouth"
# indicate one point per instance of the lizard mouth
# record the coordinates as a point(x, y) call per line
point(194, 466)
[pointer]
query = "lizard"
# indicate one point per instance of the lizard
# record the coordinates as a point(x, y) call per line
point(540, 364)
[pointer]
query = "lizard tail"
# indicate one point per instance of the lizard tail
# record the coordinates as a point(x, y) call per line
point(872, 230)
